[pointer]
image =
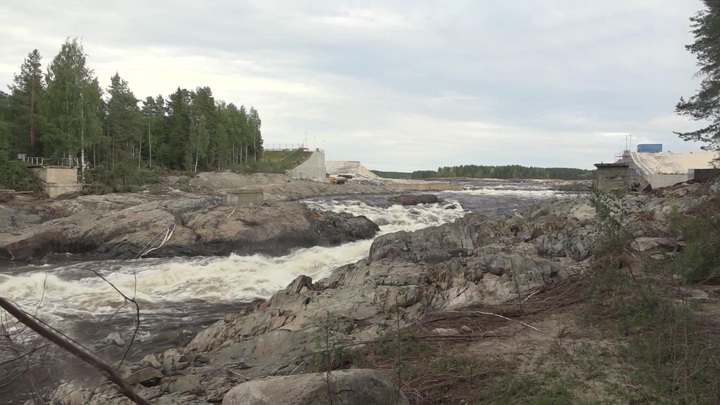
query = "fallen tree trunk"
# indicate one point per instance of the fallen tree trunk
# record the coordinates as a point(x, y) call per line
point(78, 351)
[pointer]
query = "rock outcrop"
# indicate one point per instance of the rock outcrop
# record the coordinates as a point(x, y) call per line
point(475, 260)
point(123, 225)
point(415, 199)
point(347, 387)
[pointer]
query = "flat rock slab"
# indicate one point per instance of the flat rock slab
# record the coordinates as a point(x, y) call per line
point(347, 387)
point(644, 243)
point(415, 199)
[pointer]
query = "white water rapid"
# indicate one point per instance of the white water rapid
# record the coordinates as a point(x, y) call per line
point(166, 285)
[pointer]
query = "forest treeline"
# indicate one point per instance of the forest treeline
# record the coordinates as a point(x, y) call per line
point(63, 112)
point(495, 172)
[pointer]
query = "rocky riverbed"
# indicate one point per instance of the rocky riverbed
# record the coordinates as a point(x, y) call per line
point(474, 260)
point(405, 277)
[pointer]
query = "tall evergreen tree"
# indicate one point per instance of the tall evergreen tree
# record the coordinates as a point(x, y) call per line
point(175, 151)
point(72, 103)
point(27, 89)
point(204, 125)
point(4, 126)
point(705, 104)
point(123, 120)
point(254, 124)
point(153, 111)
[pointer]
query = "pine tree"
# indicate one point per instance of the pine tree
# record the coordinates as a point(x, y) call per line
point(27, 89)
point(705, 104)
point(4, 126)
point(123, 120)
point(175, 152)
point(153, 111)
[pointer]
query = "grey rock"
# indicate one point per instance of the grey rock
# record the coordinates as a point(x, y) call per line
point(186, 384)
point(122, 226)
point(348, 387)
point(114, 339)
point(146, 376)
point(643, 244)
point(415, 199)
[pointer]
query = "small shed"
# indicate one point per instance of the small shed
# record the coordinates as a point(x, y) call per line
point(612, 176)
point(245, 195)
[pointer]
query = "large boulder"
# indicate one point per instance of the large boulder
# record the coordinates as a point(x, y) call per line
point(338, 228)
point(347, 387)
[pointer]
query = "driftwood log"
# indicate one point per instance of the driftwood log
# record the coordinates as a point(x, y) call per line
point(74, 349)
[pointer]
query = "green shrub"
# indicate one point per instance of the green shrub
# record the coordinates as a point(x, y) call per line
point(611, 210)
point(699, 262)
point(124, 177)
point(16, 175)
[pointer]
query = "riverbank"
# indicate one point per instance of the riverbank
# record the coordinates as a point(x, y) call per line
point(501, 289)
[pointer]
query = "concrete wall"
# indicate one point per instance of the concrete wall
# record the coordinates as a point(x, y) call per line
point(666, 180)
point(58, 180)
point(51, 174)
point(312, 168)
point(703, 174)
point(611, 177)
point(245, 195)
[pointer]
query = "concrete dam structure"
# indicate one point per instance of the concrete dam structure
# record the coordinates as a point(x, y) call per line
point(664, 169)
point(312, 168)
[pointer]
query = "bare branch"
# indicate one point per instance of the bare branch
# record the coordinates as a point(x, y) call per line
point(73, 348)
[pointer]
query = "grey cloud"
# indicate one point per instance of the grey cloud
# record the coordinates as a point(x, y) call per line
point(487, 82)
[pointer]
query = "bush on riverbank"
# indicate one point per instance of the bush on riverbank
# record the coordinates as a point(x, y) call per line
point(123, 177)
point(15, 175)
point(667, 344)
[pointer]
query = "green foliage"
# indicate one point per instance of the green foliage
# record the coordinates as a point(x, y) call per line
point(122, 122)
point(515, 172)
point(612, 211)
point(64, 114)
point(332, 347)
point(72, 103)
point(392, 175)
point(527, 389)
point(699, 261)
point(668, 355)
point(280, 166)
point(28, 89)
point(15, 175)
point(705, 104)
point(122, 177)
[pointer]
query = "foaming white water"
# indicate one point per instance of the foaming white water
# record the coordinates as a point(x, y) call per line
point(511, 192)
point(162, 283)
point(396, 217)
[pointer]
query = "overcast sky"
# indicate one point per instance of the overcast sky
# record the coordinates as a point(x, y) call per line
point(399, 85)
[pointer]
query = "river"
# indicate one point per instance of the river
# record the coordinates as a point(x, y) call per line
point(179, 296)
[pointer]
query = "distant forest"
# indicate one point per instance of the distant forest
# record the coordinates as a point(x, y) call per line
point(496, 172)
point(63, 113)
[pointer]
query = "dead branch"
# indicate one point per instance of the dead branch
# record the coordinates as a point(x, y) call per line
point(137, 310)
point(168, 234)
point(470, 313)
point(73, 348)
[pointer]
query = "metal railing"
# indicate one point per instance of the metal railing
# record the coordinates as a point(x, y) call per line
point(34, 160)
point(69, 162)
point(41, 161)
